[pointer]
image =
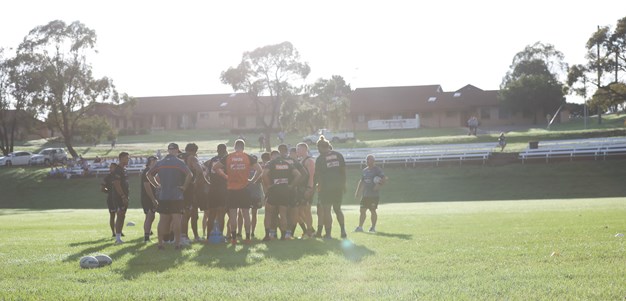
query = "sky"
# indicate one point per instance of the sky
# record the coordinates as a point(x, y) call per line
point(161, 48)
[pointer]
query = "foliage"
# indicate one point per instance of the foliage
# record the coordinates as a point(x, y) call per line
point(93, 129)
point(606, 58)
point(268, 75)
point(69, 87)
point(532, 83)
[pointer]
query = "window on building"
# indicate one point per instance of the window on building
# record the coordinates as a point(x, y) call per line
point(451, 114)
point(432, 99)
point(504, 113)
point(457, 94)
point(485, 113)
point(241, 122)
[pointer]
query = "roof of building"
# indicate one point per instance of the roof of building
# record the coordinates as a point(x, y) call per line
point(239, 102)
point(418, 99)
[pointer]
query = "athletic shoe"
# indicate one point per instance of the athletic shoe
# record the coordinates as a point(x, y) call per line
point(344, 235)
point(185, 242)
point(327, 236)
point(119, 241)
point(198, 239)
point(372, 230)
point(358, 229)
point(146, 241)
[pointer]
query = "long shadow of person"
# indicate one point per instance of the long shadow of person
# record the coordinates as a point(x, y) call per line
point(148, 260)
point(96, 246)
point(225, 256)
point(394, 235)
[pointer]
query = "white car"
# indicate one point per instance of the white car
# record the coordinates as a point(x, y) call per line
point(49, 156)
point(16, 158)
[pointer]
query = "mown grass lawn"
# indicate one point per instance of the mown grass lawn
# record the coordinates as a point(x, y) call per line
point(552, 249)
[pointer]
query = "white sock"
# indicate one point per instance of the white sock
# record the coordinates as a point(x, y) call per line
point(118, 236)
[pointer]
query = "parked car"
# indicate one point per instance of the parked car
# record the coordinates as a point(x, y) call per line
point(16, 158)
point(49, 156)
point(330, 136)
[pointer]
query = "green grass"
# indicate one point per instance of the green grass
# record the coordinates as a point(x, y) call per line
point(455, 250)
point(29, 187)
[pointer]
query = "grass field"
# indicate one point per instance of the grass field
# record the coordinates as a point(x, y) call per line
point(554, 249)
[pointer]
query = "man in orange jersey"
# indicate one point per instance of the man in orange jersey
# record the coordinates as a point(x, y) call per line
point(235, 168)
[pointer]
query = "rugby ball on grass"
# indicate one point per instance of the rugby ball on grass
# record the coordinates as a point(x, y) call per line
point(103, 260)
point(89, 262)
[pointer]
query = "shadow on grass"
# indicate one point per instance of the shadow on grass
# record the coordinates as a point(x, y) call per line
point(234, 257)
point(394, 235)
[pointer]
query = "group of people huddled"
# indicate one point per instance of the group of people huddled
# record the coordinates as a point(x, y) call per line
point(237, 185)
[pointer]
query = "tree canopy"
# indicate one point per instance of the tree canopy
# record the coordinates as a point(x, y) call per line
point(269, 75)
point(532, 84)
point(68, 87)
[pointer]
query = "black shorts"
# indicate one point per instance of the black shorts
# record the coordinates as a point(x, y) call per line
point(202, 198)
point(170, 207)
point(217, 197)
point(279, 196)
point(110, 205)
point(238, 199)
point(332, 196)
point(118, 204)
point(147, 206)
point(369, 202)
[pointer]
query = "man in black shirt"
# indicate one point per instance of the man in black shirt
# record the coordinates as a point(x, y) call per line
point(120, 194)
point(330, 177)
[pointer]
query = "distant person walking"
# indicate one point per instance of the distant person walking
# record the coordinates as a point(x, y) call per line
point(472, 124)
point(330, 177)
point(175, 177)
point(372, 179)
point(502, 141)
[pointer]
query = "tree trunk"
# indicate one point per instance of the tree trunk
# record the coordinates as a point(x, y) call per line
point(70, 148)
point(268, 139)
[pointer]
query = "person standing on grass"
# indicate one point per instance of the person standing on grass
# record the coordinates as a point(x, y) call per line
point(235, 168)
point(330, 177)
point(107, 187)
point(147, 195)
point(218, 192)
point(302, 150)
point(257, 195)
point(280, 176)
point(120, 194)
point(371, 180)
point(175, 177)
point(193, 195)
